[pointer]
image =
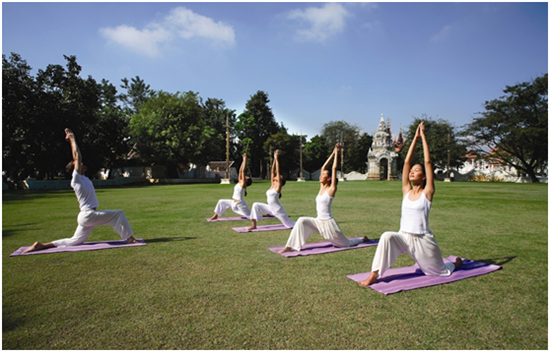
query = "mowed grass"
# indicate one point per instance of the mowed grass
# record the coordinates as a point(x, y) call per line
point(200, 285)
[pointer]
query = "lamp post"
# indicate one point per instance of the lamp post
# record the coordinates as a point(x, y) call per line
point(342, 158)
point(301, 178)
point(226, 180)
point(448, 178)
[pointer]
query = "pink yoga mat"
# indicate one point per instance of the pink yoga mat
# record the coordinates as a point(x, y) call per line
point(228, 219)
point(262, 228)
point(411, 277)
point(320, 248)
point(86, 246)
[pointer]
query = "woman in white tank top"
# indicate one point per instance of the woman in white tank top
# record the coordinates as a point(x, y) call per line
point(324, 223)
point(237, 204)
point(414, 236)
point(273, 206)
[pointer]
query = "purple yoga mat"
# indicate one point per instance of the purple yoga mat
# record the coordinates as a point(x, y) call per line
point(86, 246)
point(228, 219)
point(411, 277)
point(320, 248)
point(262, 228)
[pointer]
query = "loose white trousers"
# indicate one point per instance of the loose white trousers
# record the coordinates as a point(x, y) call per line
point(329, 229)
point(258, 208)
point(89, 219)
point(422, 248)
point(239, 207)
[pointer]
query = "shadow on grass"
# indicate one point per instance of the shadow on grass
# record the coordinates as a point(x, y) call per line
point(11, 320)
point(497, 261)
point(11, 232)
point(21, 195)
point(168, 239)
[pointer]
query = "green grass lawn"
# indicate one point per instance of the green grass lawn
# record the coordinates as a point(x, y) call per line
point(200, 285)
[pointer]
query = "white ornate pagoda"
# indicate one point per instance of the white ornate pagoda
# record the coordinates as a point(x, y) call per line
point(382, 159)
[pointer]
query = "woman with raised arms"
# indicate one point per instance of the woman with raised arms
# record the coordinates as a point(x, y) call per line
point(324, 223)
point(237, 204)
point(273, 206)
point(414, 236)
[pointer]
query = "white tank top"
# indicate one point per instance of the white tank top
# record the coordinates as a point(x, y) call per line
point(85, 191)
point(273, 200)
point(414, 215)
point(324, 203)
point(238, 192)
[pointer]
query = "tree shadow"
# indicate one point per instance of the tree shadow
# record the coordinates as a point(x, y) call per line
point(12, 320)
point(22, 195)
point(18, 228)
point(497, 261)
point(168, 239)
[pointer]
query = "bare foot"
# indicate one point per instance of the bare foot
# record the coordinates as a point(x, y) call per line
point(458, 263)
point(286, 249)
point(131, 240)
point(214, 217)
point(35, 247)
point(373, 278)
point(253, 227)
point(365, 239)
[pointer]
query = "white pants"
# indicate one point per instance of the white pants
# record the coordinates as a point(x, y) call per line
point(329, 229)
point(89, 219)
point(258, 208)
point(239, 207)
point(422, 248)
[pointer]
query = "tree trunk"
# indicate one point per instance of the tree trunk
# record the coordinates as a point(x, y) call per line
point(533, 177)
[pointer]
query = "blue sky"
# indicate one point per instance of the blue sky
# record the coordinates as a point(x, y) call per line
point(318, 62)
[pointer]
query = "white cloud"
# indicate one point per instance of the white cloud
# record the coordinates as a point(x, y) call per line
point(145, 41)
point(321, 22)
point(189, 24)
point(443, 34)
point(181, 22)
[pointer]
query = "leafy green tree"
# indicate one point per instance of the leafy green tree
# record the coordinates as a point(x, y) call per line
point(289, 151)
point(356, 144)
point(37, 109)
point(19, 98)
point(315, 153)
point(169, 129)
point(254, 126)
point(217, 115)
point(515, 128)
point(137, 92)
point(72, 101)
point(359, 153)
point(442, 138)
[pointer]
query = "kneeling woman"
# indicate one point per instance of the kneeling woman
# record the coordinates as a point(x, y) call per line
point(414, 236)
point(237, 204)
point(273, 206)
point(324, 224)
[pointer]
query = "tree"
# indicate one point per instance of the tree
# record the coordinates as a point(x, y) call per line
point(360, 152)
point(37, 109)
point(315, 153)
point(442, 138)
point(515, 128)
point(18, 101)
point(169, 129)
point(289, 151)
point(216, 115)
point(254, 126)
point(356, 144)
point(137, 92)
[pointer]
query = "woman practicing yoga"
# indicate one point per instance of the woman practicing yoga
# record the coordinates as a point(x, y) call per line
point(237, 204)
point(89, 217)
point(414, 236)
point(273, 206)
point(324, 224)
